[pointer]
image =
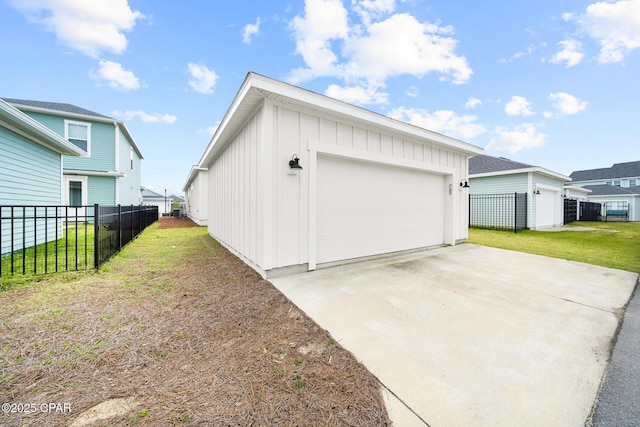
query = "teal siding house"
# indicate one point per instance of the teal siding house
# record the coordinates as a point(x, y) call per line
point(108, 171)
point(31, 171)
point(544, 188)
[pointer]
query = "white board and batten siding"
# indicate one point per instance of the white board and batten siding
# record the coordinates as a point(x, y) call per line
point(361, 191)
point(369, 185)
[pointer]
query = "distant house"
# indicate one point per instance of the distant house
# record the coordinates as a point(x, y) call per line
point(108, 170)
point(543, 187)
point(31, 165)
point(616, 187)
point(150, 197)
point(162, 201)
point(195, 190)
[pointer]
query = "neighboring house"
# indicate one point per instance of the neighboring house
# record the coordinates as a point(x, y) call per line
point(195, 190)
point(162, 201)
point(623, 175)
point(296, 180)
point(617, 187)
point(31, 164)
point(544, 188)
point(108, 171)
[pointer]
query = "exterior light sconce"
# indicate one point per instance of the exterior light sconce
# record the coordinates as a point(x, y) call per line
point(537, 192)
point(293, 163)
point(464, 184)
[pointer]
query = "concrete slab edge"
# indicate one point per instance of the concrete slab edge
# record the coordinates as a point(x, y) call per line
point(614, 340)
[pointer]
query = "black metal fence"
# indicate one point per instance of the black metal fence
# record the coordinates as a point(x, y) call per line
point(616, 211)
point(498, 211)
point(590, 211)
point(47, 239)
point(570, 210)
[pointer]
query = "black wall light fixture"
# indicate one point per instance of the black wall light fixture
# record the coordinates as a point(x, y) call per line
point(293, 163)
point(537, 192)
point(464, 184)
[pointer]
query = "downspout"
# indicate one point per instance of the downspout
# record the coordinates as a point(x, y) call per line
point(116, 163)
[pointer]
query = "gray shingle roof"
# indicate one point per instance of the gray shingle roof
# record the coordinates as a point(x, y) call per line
point(611, 190)
point(55, 106)
point(487, 164)
point(618, 170)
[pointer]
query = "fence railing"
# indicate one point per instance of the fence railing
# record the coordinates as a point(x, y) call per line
point(47, 239)
point(616, 211)
point(506, 211)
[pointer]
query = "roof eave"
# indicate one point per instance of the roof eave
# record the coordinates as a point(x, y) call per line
point(268, 86)
point(36, 131)
point(539, 170)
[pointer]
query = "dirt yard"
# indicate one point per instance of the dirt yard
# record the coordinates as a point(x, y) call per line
point(175, 330)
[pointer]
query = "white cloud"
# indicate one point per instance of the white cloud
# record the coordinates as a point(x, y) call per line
point(567, 104)
point(249, 31)
point(403, 45)
point(202, 80)
point(357, 94)
point(145, 117)
point(116, 76)
point(445, 122)
point(519, 54)
point(87, 26)
point(616, 26)
point(516, 138)
point(571, 53)
point(518, 106)
point(324, 21)
point(372, 9)
point(412, 92)
point(472, 103)
point(367, 52)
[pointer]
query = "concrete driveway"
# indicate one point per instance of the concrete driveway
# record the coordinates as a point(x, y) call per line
point(471, 335)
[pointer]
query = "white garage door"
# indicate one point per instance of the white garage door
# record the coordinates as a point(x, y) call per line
point(546, 208)
point(368, 209)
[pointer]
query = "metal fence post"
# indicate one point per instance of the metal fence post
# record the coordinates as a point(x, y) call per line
point(119, 227)
point(96, 235)
point(515, 212)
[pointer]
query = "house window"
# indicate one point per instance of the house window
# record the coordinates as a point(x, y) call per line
point(633, 182)
point(75, 193)
point(79, 134)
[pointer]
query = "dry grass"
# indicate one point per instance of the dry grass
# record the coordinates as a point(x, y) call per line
point(188, 331)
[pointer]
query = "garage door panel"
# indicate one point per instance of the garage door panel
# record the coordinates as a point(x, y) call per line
point(366, 209)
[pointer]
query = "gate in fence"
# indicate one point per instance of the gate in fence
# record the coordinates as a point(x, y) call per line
point(570, 210)
point(498, 211)
point(590, 211)
point(46, 239)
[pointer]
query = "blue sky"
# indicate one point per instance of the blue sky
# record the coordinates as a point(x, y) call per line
point(549, 83)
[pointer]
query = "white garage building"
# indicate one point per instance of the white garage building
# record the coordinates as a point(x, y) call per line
point(368, 184)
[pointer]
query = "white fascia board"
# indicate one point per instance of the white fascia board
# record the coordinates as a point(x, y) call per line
point(192, 175)
point(17, 121)
point(213, 148)
point(524, 170)
point(93, 173)
point(127, 134)
point(69, 115)
point(577, 189)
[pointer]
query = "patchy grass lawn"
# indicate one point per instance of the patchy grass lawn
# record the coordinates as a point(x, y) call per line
point(182, 332)
point(609, 244)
